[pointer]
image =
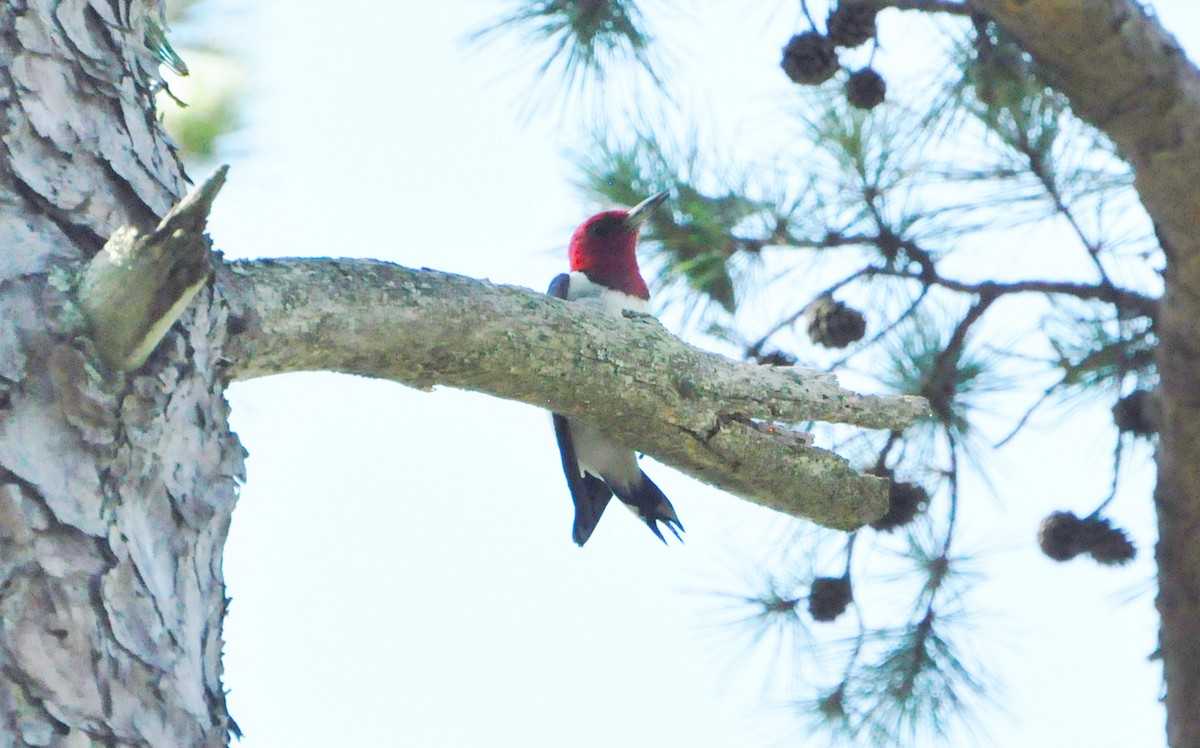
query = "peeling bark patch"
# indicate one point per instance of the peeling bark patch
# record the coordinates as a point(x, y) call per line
point(15, 532)
point(50, 628)
point(41, 245)
point(16, 304)
point(35, 429)
point(40, 168)
point(72, 71)
point(43, 79)
point(135, 620)
point(81, 396)
point(80, 25)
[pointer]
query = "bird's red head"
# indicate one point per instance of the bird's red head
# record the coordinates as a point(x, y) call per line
point(604, 247)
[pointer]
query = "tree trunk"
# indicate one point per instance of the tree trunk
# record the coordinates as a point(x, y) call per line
point(115, 490)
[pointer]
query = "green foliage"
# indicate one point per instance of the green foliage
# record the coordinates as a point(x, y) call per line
point(908, 683)
point(585, 39)
point(207, 115)
point(1000, 82)
point(921, 683)
point(1096, 353)
point(920, 358)
point(156, 40)
point(205, 105)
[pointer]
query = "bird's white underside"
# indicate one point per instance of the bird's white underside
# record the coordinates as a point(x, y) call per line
point(583, 291)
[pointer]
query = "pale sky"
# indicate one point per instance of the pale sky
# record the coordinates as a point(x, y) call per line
point(401, 563)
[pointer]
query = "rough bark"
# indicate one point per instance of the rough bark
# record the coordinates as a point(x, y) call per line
point(722, 421)
point(115, 493)
point(1126, 75)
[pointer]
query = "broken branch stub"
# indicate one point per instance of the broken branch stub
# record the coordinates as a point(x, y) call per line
point(135, 288)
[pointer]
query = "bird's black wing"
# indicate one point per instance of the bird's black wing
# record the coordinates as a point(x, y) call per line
point(589, 493)
point(559, 286)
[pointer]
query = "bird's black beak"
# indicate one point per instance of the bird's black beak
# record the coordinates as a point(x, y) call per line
point(640, 212)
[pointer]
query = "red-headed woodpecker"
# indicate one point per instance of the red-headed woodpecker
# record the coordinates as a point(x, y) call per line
point(604, 274)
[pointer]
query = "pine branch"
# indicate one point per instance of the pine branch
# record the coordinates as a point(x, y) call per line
point(1129, 302)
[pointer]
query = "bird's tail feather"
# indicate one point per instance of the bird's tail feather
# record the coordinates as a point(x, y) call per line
point(589, 506)
point(652, 506)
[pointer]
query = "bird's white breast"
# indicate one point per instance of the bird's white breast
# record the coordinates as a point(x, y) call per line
point(583, 291)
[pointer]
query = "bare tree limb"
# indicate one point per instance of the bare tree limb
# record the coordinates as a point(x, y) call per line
point(725, 422)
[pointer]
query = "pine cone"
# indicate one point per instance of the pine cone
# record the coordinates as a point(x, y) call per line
point(809, 59)
point(1107, 544)
point(852, 23)
point(866, 89)
point(1137, 413)
point(833, 704)
point(835, 325)
point(829, 598)
point(1064, 536)
point(905, 501)
point(1061, 536)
